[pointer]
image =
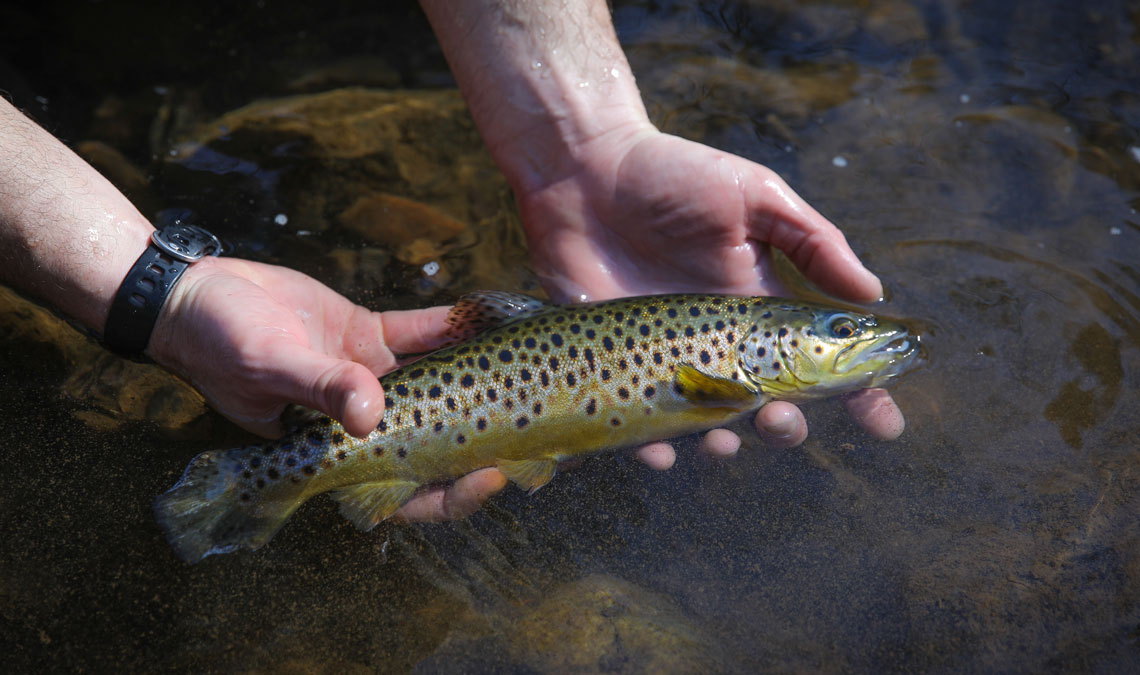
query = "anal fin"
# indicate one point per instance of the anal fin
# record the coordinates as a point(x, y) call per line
point(366, 504)
point(529, 474)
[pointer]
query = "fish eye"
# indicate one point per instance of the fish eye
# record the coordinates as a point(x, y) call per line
point(843, 326)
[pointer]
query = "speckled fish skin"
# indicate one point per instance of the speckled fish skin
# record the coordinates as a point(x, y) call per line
point(535, 384)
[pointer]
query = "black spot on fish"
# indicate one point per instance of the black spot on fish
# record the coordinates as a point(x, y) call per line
point(438, 427)
point(481, 425)
point(308, 470)
point(544, 379)
point(522, 422)
point(418, 417)
point(338, 438)
point(537, 408)
point(775, 365)
point(783, 332)
point(694, 311)
point(650, 391)
point(460, 439)
point(719, 325)
point(591, 406)
point(508, 382)
point(378, 451)
point(598, 318)
point(417, 392)
point(675, 351)
point(629, 343)
point(451, 405)
point(657, 358)
point(760, 351)
point(467, 381)
point(525, 375)
point(447, 377)
point(492, 395)
point(689, 332)
point(605, 374)
point(245, 497)
point(590, 334)
point(260, 483)
point(516, 344)
point(416, 374)
point(556, 340)
point(608, 343)
point(554, 363)
point(637, 359)
point(575, 328)
point(316, 437)
point(818, 349)
point(290, 461)
point(435, 391)
point(342, 455)
point(254, 462)
point(672, 313)
point(570, 379)
point(644, 330)
point(506, 356)
point(767, 333)
point(273, 474)
point(618, 332)
point(402, 453)
point(623, 393)
point(615, 421)
point(766, 315)
point(530, 343)
point(484, 363)
point(572, 352)
point(705, 358)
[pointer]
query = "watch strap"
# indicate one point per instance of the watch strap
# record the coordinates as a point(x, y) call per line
point(140, 298)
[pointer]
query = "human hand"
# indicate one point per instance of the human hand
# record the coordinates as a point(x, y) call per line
point(254, 338)
point(645, 212)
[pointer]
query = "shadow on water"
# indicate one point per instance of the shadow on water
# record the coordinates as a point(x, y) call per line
point(983, 158)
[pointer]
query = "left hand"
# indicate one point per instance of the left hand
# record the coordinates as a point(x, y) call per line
point(646, 212)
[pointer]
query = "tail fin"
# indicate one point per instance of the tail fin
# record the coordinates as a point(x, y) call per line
point(210, 510)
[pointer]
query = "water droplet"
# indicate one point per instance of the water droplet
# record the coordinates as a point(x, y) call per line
point(964, 98)
point(431, 268)
point(536, 65)
point(1135, 153)
point(839, 161)
point(614, 73)
point(1114, 230)
point(281, 219)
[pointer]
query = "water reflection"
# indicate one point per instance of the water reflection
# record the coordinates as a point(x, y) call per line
point(989, 177)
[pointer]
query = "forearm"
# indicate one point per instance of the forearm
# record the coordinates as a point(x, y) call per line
point(66, 234)
point(545, 80)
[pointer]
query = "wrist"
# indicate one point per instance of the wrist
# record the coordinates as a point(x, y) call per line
point(546, 85)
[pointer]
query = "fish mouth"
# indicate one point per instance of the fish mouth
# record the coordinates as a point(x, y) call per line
point(884, 357)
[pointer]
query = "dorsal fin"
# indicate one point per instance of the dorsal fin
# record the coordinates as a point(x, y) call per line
point(479, 311)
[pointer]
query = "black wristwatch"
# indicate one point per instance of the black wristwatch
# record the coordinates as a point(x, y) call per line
point(142, 294)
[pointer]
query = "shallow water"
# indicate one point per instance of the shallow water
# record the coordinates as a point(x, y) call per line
point(984, 161)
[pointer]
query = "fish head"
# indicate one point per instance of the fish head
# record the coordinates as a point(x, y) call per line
point(798, 351)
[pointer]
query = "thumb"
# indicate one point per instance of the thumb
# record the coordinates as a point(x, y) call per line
point(811, 242)
point(344, 390)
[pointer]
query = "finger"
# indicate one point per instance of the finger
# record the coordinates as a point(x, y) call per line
point(659, 456)
point(780, 217)
point(414, 331)
point(720, 443)
point(344, 390)
point(451, 502)
point(781, 425)
point(877, 413)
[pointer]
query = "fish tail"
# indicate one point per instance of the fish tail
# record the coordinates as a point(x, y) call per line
point(209, 510)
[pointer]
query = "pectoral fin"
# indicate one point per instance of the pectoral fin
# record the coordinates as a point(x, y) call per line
point(705, 389)
point(366, 504)
point(529, 474)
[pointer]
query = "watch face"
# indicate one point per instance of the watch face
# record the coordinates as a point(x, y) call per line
point(186, 242)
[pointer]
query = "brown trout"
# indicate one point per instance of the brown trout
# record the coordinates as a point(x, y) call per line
point(531, 385)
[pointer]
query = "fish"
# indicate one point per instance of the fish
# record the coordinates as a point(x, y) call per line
point(526, 385)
